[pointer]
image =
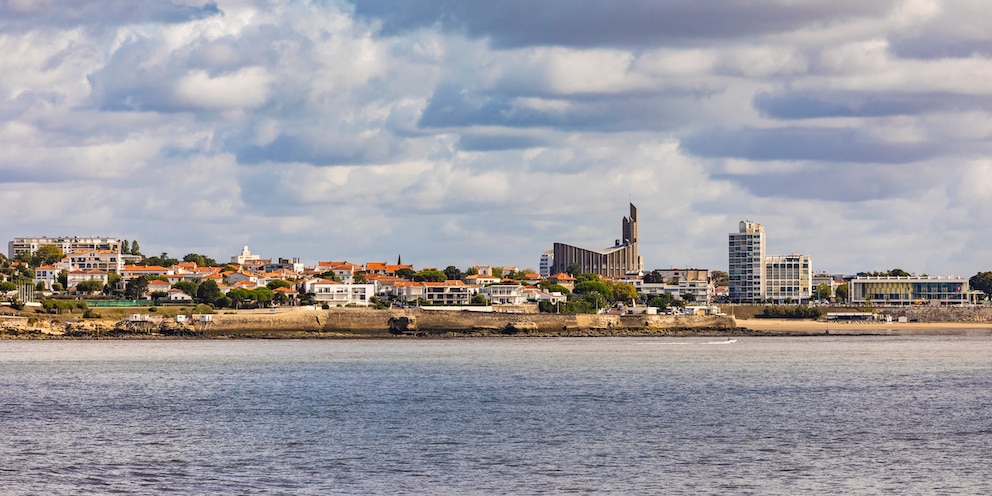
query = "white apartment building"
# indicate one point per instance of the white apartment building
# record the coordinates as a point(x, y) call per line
point(64, 243)
point(504, 294)
point(747, 263)
point(437, 293)
point(337, 294)
point(788, 278)
point(547, 260)
point(105, 260)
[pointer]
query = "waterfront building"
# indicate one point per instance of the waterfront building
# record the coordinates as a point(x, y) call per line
point(504, 294)
point(64, 243)
point(336, 294)
point(747, 263)
point(788, 278)
point(617, 261)
point(911, 290)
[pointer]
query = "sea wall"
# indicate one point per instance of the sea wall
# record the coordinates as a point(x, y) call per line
point(937, 314)
point(420, 321)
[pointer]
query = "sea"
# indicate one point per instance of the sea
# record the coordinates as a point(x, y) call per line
point(763, 415)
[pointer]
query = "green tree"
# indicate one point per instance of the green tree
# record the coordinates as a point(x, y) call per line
point(452, 273)
point(405, 273)
point(135, 249)
point(278, 283)
point(40, 286)
point(549, 286)
point(594, 286)
point(188, 287)
point(898, 273)
point(136, 287)
point(63, 278)
point(89, 286)
point(981, 281)
point(208, 291)
point(497, 271)
point(162, 260)
point(823, 291)
point(330, 275)
point(688, 297)
point(479, 299)
point(7, 286)
point(360, 278)
point(720, 278)
point(471, 271)
point(262, 296)
point(661, 301)
point(125, 247)
point(574, 269)
point(622, 291)
point(239, 296)
point(46, 255)
point(842, 292)
point(430, 275)
point(200, 260)
point(113, 279)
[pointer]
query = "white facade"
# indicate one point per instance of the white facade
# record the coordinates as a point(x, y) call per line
point(788, 278)
point(65, 243)
point(701, 291)
point(504, 294)
point(338, 294)
point(747, 263)
point(547, 260)
point(106, 260)
point(437, 293)
point(245, 256)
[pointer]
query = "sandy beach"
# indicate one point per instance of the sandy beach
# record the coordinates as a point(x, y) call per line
point(785, 326)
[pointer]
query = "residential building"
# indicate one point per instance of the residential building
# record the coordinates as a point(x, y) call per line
point(64, 243)
point(504, 294)
point(788, 278)
point(436, 293)
point(77, 276)
point(747, 263)
point(336, 294)
point(617, 261)
point(293, 265)
point(105, 260)
point(547, 260)
point(911, 290)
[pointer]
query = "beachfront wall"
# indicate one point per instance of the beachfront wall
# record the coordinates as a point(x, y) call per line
point(910, 291)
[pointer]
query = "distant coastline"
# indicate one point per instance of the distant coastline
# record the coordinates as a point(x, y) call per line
point(417, 323)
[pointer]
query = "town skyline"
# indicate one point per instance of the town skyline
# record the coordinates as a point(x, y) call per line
point(456, 134)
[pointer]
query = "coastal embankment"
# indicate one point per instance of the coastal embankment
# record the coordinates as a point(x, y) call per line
point(308, 322)
point(367, 323)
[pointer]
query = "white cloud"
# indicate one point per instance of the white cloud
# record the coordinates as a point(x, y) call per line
point(246, 88)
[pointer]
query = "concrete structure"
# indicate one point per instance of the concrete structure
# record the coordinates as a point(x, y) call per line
point(436, 293)
point(65, 243)
point(617, 261)
point(338, 294)
point(788, 278)
point(245, 256)
point(912, 290)
point(747, 263)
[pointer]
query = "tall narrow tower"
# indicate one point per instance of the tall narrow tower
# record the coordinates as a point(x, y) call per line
point(747, 263)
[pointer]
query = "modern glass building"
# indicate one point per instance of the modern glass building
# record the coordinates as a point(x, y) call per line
point(910, 290)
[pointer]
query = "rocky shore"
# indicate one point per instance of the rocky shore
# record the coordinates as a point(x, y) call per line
point(363, 323)
point(351, 323)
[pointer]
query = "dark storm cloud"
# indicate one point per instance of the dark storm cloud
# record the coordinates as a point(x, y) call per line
point(809, 105)
point(100, 13)
point(456, 107)
point(836, 182)
point(802, 144)
point(489, 142)
point(514, 23)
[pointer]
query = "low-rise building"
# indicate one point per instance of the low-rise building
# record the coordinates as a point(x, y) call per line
point(504, 294)
point(911, 290)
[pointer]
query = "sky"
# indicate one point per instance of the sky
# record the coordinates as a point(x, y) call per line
point(454, 132)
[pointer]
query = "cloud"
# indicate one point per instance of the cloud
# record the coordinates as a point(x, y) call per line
point(517, 23)
point(806, 144)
